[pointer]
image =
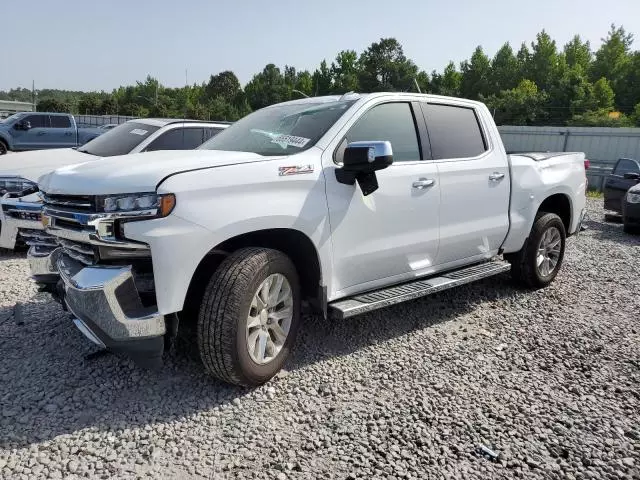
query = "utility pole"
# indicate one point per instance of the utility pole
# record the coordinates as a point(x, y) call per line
point(33, 94)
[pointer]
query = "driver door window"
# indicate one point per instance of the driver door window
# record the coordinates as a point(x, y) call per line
point(393, 122)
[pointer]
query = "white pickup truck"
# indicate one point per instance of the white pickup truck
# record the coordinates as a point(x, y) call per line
point(333, 205)
point(20, 206)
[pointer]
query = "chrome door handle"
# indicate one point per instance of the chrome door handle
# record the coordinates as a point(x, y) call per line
point(423, 183)
point(495, 176)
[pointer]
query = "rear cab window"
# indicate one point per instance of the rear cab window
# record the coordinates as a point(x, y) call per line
point(454, 131)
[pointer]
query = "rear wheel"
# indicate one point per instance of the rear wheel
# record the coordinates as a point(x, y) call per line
point(249, 316)
point(3, 148)
point(540, 259)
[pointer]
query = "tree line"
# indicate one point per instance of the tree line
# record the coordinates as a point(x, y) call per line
point(539, 84)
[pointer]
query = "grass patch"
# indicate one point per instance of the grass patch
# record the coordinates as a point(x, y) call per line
point(594, 194)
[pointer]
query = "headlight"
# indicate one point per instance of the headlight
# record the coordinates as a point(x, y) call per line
point(633, 197)
point(17, 186)
point(164, 204)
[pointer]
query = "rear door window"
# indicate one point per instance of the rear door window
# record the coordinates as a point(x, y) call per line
point(60, 121)
point(454, 131)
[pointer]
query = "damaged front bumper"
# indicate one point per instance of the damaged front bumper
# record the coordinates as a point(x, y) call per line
point(20, 221)
point(109, 311)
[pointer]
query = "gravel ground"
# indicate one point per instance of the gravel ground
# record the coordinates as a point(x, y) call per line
point(547, 380)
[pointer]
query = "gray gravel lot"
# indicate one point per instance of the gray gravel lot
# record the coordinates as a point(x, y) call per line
point(549, 380)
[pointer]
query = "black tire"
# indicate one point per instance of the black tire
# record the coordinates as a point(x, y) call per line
point(612, 217)
point(524, 269)
point(225, 307)
point(3, 148)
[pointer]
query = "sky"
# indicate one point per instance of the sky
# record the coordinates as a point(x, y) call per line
point(89, 45)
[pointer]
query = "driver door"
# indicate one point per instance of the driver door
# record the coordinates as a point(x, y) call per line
point(34, 138)
point(391, 235)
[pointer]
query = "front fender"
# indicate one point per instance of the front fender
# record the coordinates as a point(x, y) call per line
point(217, 204)
point(7, 139)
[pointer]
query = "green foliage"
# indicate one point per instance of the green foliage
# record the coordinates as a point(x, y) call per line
point(578, 53)
point(344, 72)
point(384, 67)
point(505, 71)
point(52, 105)
point(543, 65)
point(266, 88)
point(603, 95)
point(600, 118)
point(635, 117)
point(538, 85)
point(523, 105)
point(476, 75)
point(448, 83)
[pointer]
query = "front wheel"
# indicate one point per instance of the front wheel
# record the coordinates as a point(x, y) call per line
point(249, 316)
point(540, 259)
point(3, 148)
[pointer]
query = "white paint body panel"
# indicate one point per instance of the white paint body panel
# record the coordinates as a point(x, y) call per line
point(393, 235)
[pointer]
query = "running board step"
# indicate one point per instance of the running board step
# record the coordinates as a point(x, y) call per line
point(367, 302)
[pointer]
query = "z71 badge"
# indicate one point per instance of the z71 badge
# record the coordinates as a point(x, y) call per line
point(295, 170)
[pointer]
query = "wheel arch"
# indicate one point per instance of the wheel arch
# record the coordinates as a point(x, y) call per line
point(6, 142)
point(560, 204)
point(293, 243)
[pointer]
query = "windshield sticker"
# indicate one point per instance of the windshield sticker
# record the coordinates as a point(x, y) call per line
point(290, 141)
point(139, 131)
point(295, 170)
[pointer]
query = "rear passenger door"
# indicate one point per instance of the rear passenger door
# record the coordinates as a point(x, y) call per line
point(62, 133)
point(474, 184)
point(616, 185)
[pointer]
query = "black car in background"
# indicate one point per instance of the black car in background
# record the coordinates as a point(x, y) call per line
point(625, 175)
point(631, 210)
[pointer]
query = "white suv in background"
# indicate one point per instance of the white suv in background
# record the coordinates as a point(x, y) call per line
point(19, 173)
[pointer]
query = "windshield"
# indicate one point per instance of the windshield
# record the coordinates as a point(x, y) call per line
point(13, 117)
point(281, 129)
point(119, 140)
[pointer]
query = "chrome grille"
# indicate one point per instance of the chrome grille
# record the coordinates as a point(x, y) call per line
point(84, 203)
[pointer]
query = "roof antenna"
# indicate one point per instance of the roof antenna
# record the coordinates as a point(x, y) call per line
point(417, 86)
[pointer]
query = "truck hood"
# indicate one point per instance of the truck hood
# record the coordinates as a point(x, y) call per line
point(139, 172)
point(32, 165)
